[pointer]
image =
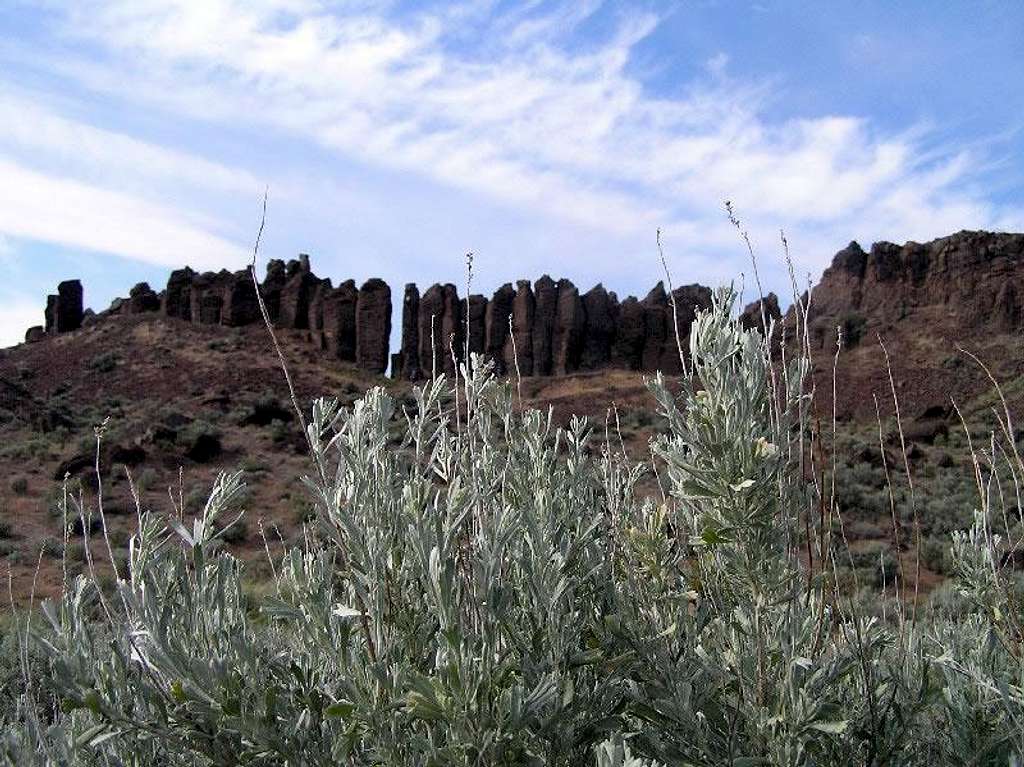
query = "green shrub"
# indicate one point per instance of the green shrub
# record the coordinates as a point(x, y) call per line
point(19, 485)
point(495, 591)
point(104, 362)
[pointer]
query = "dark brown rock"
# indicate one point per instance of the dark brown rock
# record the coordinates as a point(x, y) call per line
point(64, 310)
point(751, 317)
point(315, 320)
point(519, 347)
point(34, 334)
point(452, 329)
point(50, 315)
point(207, 297)
point(408, 367)
point(499, 309)
point(476, 323)
point(240, 307)
point(295, 297)
point(545, 292)
point(271, 288)
point(178, 295)
point(431, 346)
point(142, 299)
point(373, 326)
point(339, 314)
point(601, 311)
point(656, 327)
point(570, 322)
point(628, 346)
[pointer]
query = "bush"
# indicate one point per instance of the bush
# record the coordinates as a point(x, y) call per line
point(492, 591)
point(104, 362)
point(19, 485)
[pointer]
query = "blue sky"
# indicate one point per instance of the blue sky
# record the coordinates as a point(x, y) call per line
point(137, 136)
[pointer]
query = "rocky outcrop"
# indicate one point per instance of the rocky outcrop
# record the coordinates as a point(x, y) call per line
point(373, 326)
point(431, 311)
point(451, 328)
point(474, 312)
point(142, 299)
point(64, 310)
point(601, 310)
point(519, 347)
point(628, 346)
point(272, 286)
point(567, 336)
point(970, 282)
point(545, 295)
point(240, 305)
point(296, 295)
point(496, 325)
point(35, 334)
point(177, 297)
point(315, 320)
point(408, 360)
point(760, 311)
point(339, 318)
point(962, 283)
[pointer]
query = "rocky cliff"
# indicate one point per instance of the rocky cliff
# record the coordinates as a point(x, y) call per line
point(966, 283)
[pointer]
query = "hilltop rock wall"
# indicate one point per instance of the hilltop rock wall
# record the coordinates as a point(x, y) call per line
point(969, 280)
point(963, 282)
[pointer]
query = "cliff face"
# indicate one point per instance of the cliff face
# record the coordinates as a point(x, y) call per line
point(966, 284)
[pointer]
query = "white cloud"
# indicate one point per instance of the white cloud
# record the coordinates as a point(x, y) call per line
point(498, 107)
point(16, 314)
point(68, 212)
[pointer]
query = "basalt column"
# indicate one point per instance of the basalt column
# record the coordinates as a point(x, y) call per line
point(519, 348)
point(496, 322)
point(601, 309)
point(570, 322)
point(431, 313)
point(475, 316)
point(373, 326)
point(241, 307)
point(545, 292)
point(628, 346)
point(656, 324)
point(296, 294)
point(451, 329)
point(177, 297)
point(409, 357)
point(339, 315)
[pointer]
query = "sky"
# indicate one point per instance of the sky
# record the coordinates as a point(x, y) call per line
point(138, 136)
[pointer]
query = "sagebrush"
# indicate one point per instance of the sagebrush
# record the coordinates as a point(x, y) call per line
point(487, 589)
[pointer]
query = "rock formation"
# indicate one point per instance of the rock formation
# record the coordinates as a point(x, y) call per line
point(545, 293)
point(373, 326)
point(601, 310)
point(408, 367)
point(519, 346)
point(177, 298)
point(64, 310)
point(339, 318)
point(496, 325)
point(142, 299)
point(967, 282)
point(570, 322)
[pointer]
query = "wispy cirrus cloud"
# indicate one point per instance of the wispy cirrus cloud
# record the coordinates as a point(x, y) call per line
point(531, 116)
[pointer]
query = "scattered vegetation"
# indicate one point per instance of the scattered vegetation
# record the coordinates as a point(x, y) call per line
point(491, 590)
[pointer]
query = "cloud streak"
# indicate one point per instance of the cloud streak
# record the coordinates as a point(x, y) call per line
point(514, 108)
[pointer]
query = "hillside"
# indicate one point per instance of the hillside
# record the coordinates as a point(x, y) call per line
point(187, 397)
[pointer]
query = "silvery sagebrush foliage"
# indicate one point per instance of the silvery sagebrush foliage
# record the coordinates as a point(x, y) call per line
point(486, 589)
